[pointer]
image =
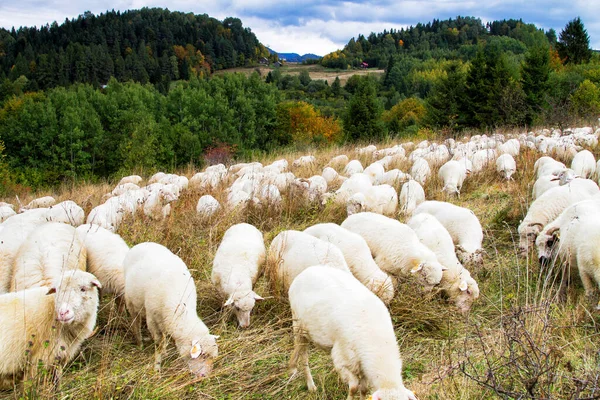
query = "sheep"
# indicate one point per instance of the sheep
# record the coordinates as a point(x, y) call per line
point(238, 199)
point(511, 147)
point(159, 288)
point(420, 170)
point(6, 212)
point(67, 212)
point(291, 252)
point(456, 282)
point(374, 171)
point(13, 234)
point(549, 206)
point(396, 248)
point(280, 165)
point(381, 199)
point(547, 166)
point(207, 206)
point(584, 164)
point(270, 195)
point(123, 188)
point(464, 228)
point(506, 166)
point(29, 320)
point(337, 313)
point(482, 158)
point(105, 254)
point(236, 268)
point(304, 161)
point(367, 151)
point(353, 167)
point(543, 184)
point(330, 175)
point(154, 206)
point(156, 177)
point(393, 178)
point(453, 174)
point(411, 195)
point(358, 257)
point(135, 179)
point(358, 182)
point(587, 256)
point(338, 161)
point(107, 215)
point(49, 251)
point(236, 167)
point(42, 202)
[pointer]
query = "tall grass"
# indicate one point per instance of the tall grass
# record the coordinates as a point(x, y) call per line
point(519, 341)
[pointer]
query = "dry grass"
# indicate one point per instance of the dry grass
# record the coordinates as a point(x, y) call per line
point(514, 329)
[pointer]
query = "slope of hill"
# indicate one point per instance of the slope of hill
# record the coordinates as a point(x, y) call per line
point(294, 57)
point(148, 45)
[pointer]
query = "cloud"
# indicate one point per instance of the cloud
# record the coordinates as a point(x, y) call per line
point(321, 26)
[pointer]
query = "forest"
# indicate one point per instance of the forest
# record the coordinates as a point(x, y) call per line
point(100, 95)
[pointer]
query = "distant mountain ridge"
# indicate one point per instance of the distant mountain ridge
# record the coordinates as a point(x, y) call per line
point(294, 57)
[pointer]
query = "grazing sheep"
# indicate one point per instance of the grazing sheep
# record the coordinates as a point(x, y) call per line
point(107, 215)
point(338, 161)
point(358, 182)
point(159, 288)
point(304, 161)
point(380, 199)
point(396, 248)
point(49, 251)
point(135, 179)
point(367, 151)
point(374, 171)
point(207, 206)
point(330, 175)
point(42, 202)
point(291, 252)
point(46, 324)
point(420, 170)
point(457, 282)
point(411, 195)
point(358, 257)
point(584, 164)
point(12, 235)
point(547, 166)
point(464, 228)
point(105, 254)
point(587, 256)
point(482, 158)
point(453, 174)
point(511, 147)
point(543, 184)
point(236, 268)
point(154, 206)
point(6, 212)
point(353, 167)
point(337, 313)
point(549, 206)
point(156, 177)
point(67, 212)
point(393, 178)
point(506, 166)
point(123, 188)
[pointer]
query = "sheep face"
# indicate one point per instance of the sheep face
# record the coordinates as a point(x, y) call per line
point(200, 355)
point(243, 303)
point(546, 244)
point(464, 294)
point(451, 189)
point(393, 394)
point(428, 273)
point(76, 297)
point(356, 203)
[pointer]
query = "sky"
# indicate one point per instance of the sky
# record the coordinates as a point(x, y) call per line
point(321, 26)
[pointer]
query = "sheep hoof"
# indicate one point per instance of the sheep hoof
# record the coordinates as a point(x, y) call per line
point(311, 387)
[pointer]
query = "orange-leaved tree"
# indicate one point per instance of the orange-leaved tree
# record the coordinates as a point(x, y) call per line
point(299, 122)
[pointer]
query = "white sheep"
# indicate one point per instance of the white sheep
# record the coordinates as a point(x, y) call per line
point(330, 175)
point(135, 179)
point(453, 174)
point(42, 202)
point(304, 161)
point(374, 171)
point(393, 178)
point(367, 150)
point(464, 228)
point(353, 167)
point(154, 206)
point(123, 188)
point(337, 313)
point(482, 158)
point(587, 256)
point(67, 212)
point(549, 206)
point(420, 170)
point(511, 146)
point(105, 254)
point(358, 182)
point(396, 248)
point(338, 161)
point(380, 199)
point(236, 267)
point(6, 212)
point(291, 252)
point(13, 234)
point(584, 164)
point(159, 288)
point(543, 184)
point(48, 252)
point(547, 166)
point(358, 257)
point(107, 215)
point(456, 282)
point(411, 195)
point(46, 324)
point(506, 166)
point(207, 206)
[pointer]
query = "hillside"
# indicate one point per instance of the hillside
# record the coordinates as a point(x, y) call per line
point(294, 57)
point(519, 338)
point(149, 45)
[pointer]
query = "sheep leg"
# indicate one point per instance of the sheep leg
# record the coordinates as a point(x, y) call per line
point(363, 387)
point(160, 342)
point(136, 326)
point(341, 362)
point(301, 353)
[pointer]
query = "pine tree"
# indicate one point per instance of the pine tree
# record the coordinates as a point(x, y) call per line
point(443, 102)
point(363, 113)
point(535, 73)
point(574, 43)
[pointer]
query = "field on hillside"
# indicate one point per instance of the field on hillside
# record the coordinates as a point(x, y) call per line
point(316, 72)
point(519, 340)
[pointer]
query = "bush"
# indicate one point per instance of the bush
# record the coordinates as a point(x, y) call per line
point(585, 101)
point(407, 113)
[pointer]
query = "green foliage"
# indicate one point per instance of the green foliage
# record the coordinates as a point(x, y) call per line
point(535, 74)
point(585, 101)
point(362, 120)
point(443, 103)
point(574, 43)
point(408, 113)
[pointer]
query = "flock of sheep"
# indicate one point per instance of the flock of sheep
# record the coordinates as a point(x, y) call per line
point(338, 279)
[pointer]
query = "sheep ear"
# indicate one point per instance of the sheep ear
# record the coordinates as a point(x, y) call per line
point(96, 283)
point(196, 349)
point(215, 336)
point(52, 290)
point(257, 297)
point(463, 286)
point(229, 301)
point(417, 268)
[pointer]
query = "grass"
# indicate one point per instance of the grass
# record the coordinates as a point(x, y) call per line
point(519, 341)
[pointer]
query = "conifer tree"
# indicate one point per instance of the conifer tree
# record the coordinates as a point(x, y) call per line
point(574, 43)
point(535, 73)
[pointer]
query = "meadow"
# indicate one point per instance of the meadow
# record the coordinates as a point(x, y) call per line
point(519, 341)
